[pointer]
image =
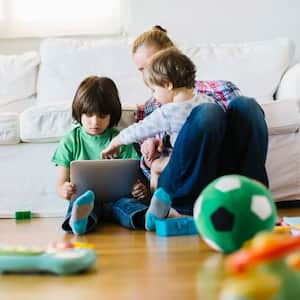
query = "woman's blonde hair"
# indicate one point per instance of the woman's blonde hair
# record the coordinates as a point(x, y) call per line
point(170, 65)
point(156, 37)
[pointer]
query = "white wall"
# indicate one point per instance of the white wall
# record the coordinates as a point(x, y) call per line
point(219, 21)
point(204, 21)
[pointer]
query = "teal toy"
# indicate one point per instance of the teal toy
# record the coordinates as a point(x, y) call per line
point(175, 226)
point(231, 210)
point(58, 260)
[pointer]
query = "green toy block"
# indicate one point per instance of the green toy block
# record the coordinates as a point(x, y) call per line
point(23, 215)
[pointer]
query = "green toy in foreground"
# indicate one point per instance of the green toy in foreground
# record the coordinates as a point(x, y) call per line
point(231, 210)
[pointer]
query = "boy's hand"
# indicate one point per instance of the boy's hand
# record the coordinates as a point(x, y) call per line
point(112, 149)
point(68, 190)
point(139, 190)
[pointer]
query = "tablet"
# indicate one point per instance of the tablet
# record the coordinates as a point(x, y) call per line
point(109, 179)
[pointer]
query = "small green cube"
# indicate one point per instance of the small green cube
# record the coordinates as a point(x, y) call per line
point(23, 215)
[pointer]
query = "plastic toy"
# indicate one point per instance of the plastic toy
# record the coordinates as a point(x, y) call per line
point(176, 226)
point(23, 215)
point(266, 268)
point(59, 259)
point(231, 210)
point(293, 222)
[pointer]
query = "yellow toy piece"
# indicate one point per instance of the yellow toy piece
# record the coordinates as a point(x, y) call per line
point(83, 245)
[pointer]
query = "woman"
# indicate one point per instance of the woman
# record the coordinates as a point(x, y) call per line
point(209, 145)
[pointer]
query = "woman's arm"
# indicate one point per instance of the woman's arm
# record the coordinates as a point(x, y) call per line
point(65, 188)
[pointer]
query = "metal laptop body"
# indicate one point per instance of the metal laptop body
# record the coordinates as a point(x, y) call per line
point(109, 179)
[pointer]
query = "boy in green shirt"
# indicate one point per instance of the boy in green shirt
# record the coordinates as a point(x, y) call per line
point(97, 109)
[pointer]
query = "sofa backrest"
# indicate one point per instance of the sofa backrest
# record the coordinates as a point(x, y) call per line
point(18, 74)
point(255, 67)
point(66, 62)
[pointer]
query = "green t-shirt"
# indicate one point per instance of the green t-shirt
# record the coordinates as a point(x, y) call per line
point(79, 145)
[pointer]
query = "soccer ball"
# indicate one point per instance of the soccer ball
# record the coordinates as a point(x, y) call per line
point(231, 210)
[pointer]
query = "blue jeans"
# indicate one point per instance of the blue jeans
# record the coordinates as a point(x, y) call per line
point(127, 212)
point(213, 143)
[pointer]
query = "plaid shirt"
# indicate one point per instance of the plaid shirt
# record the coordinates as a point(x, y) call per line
point(221, 91)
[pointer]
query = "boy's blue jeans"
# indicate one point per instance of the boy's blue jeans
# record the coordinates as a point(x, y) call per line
point(124, 212)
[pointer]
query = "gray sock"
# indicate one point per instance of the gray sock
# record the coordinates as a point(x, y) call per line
point(159, 208)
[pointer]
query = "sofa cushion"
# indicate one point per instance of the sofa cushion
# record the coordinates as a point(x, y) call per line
point(50, 122)
point(66, 62)
point(45, 122)
point(18, 75)
point(255, 67)
point(9, 128)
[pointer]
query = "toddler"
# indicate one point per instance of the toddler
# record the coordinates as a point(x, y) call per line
point(171, 76)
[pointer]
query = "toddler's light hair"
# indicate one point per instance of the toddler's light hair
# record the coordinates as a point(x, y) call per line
point(170, 65)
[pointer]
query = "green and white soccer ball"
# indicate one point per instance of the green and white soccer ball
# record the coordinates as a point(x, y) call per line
point(231, 210)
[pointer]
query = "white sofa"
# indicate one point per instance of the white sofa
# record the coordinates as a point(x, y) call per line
point(36, 91)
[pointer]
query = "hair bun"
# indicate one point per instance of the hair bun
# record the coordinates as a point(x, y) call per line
point(158, 27)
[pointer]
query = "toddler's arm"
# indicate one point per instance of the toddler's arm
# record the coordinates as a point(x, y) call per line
point(65, 188)
point(112, 148)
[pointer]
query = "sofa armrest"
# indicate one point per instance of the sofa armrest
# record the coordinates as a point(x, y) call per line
point(289, 87)
point(282, 116)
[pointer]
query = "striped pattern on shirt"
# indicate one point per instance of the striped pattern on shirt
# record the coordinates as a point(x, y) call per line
point(168, 118)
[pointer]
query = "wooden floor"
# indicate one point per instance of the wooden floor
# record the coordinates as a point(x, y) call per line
point(130, 265)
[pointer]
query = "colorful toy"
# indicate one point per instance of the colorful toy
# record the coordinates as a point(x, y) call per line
point(23, 215)
point(293, 222)
point(231, 210)
point(176, 226)
point(59, 259)
point(266, 268)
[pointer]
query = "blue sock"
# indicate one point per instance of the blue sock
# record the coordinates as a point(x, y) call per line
point(82, 207)
point(159, 208)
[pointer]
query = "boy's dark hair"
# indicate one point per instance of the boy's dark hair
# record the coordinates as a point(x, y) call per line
point(97, 95)
point(170, 65)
